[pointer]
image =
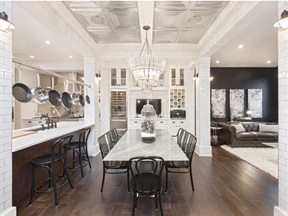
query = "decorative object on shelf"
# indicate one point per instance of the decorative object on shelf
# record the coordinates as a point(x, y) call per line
point(255, 103)
point(282, 23)
point(148, 132)
point(218, 103)
point(177, 98)
point(146, 68)
point(5, 25)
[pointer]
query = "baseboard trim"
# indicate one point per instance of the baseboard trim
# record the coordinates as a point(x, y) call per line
point(278, 211)
point(203, 151)
point(93, 150)
point(12, 211)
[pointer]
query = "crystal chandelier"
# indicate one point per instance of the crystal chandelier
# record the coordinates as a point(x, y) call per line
point(146, 68)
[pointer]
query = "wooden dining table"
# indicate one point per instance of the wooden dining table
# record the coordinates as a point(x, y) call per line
point(131, 145)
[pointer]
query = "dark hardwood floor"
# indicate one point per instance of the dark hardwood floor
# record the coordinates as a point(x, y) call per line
point(224, 186)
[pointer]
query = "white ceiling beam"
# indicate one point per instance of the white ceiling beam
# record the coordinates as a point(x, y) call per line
point(146, 14)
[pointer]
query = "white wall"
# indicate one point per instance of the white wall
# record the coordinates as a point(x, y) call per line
point(6, 117)
point(282, 209)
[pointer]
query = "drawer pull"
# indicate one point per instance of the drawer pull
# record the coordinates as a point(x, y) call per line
point(135, 122)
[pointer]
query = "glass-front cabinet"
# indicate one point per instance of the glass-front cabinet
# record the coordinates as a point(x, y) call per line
point(177, 77)
point(118, 77)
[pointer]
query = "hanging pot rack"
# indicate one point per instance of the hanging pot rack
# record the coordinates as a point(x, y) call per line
point(51, 73)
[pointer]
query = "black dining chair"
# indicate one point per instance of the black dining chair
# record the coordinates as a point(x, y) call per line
point(111, 167)
point(114, 135)
point(146, 179)
point(80, 147)
point(187, 143)
point(49, 161)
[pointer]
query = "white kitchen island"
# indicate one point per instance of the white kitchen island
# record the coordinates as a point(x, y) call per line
point(26, 148)
point(40, 136)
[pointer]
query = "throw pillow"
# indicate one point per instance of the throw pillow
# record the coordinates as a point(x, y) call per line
point(268, 128)
point(239, 128)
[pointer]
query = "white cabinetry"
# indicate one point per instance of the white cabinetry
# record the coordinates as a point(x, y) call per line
point(134, 123)
point(175, 125)
point(160, 123)
point(118, 77)
point(177, 77)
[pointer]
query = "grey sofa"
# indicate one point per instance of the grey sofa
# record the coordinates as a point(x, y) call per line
point(251, 137)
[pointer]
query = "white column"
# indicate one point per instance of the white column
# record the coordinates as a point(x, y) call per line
point(203, 147)
point(282, 208)
point(91, 109)
point(105, 101)
point(6, 207)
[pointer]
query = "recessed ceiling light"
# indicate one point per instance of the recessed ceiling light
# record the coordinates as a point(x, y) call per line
point(240, 46)
point(31, 56)
point(268, 61)
point(47, 42)
point(217, 61)
point(70, 56)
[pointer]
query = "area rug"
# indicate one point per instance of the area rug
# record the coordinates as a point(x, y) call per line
point(265, 159)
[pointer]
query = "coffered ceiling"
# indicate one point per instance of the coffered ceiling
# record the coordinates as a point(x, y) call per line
point(111, 31)
point(174, 21)
point(108, 22)
point(184, 21)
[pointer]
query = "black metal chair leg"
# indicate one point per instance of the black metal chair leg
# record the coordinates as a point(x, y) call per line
point(80, 162)
point(166, 186)
point(73, 161)
point(191, 178)
point(134, 204)
point(156, 201)
point(103, 179)
point(87, 156)
point(128, 180)
point(32, 185)
point(160, 203)
point(66, 173)
point(54, 184)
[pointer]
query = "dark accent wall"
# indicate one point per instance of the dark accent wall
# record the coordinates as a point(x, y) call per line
point(249, 78)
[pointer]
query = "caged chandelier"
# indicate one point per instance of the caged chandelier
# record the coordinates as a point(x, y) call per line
point(146, 68)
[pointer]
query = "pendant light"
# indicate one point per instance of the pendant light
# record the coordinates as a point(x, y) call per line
point(282, 23)
point(5, 25)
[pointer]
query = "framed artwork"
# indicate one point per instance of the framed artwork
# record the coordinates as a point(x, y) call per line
point(218, 103)
point(255, 102)
point(236, 103)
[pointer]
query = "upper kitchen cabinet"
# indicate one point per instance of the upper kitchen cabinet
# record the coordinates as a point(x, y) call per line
point(118, 77)
point(177, 77)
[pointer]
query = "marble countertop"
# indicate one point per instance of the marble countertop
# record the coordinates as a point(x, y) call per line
point(131, 145)
point(40, 136)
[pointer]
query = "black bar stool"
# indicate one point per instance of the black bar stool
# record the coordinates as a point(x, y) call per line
point(48, 161)
point(78, 147)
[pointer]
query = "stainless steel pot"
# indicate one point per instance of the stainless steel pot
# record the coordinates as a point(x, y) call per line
point(75, 96)
point(39, 94)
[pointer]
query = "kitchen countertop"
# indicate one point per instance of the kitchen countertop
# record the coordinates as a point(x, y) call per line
point(40, 136)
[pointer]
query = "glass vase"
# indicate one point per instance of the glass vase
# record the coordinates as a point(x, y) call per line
point(148, 130)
